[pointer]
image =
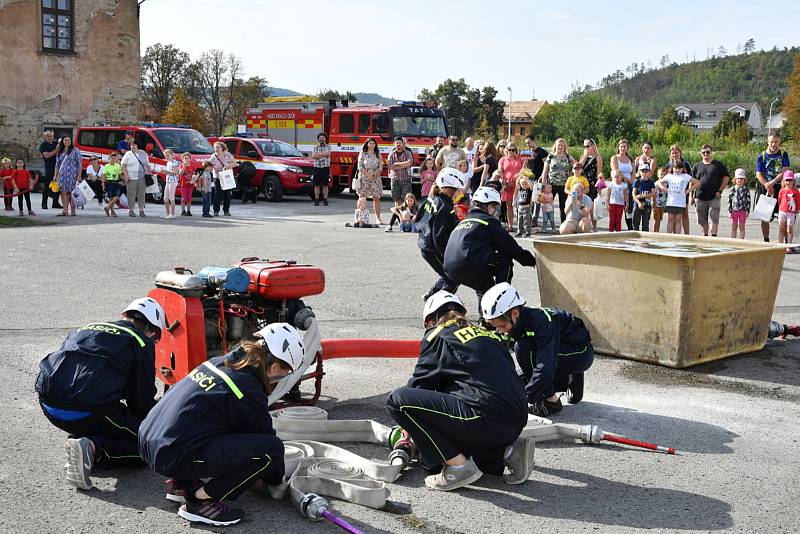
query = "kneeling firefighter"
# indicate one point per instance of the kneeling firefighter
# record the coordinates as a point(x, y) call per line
point(215, 424)
point(553, 347)
point(435, 221)
point(464, 406)
point(480, 253)
point(83, 384)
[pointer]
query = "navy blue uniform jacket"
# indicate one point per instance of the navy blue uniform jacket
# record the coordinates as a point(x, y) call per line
point(99, 365)
point(474, 243)
point(435, 221)
point(473, 365)
point(542, 335)
point(212, 400)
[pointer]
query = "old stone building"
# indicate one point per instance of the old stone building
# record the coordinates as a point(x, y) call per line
point(65, 63)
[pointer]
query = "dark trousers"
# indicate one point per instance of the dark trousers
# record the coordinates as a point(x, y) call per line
point(568, 364)
point(207, 203)
point(27, 195)
point(8, 199)
point(114, 433)
point(562, 199)
point(442, 426)
point(221, 196)
point(499, 269)
point(97, 187)
point(641, 218)
point(629, 212)
point(46, 193)
point(437, 264)
point(234, 462)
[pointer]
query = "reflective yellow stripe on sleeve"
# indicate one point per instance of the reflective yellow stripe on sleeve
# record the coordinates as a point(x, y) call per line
point(225, 378)
point(128, 330)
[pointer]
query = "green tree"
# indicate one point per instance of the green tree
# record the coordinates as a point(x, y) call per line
point(460, 102)
point(330, 94)
point(730, 126)
point(248, 93)
point(185, 110)
point(791, 104)
point(217, 80)
point(591, 114)
point(544, 124)
point(491, 112)
point(163, 72)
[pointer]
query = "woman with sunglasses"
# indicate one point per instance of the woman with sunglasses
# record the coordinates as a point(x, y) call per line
point(592, 163)
point(556, 171)
point(510, 165)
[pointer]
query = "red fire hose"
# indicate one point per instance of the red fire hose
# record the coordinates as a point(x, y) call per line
point(370, 348)
point(637, 443)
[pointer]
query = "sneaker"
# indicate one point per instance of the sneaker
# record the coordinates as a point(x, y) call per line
point(544, 407)
point(450, 479)
point(207, 215)
point(388, 230)
point(165, 216)
point(216, 214)
point(188, 213)
point(316, 202)
point(176, 492)
point(520, 462)
point(80, 460)
point(575, 388)
point(227, 214)
point(518, 234)
point(210, 512)
point(528, 234)
point(793, 330)
point(325, 202)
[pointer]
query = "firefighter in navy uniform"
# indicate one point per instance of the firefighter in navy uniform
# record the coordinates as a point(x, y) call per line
point(435, 220)
point(553, 347)
point(464, 406)
point(82, 385)
point(215, 424)
point(480, 253)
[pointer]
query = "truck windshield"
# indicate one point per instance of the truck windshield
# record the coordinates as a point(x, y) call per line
point(418, 126)
point(180, 141)
point(278, 148)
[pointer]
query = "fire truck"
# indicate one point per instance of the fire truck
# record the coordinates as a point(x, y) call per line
point(299, 120)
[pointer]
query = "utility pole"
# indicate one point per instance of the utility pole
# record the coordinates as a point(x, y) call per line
point(509, 113)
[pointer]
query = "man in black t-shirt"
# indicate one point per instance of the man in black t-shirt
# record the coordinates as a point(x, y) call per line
point(49, 150)
point(713, 176)
point(535, 163)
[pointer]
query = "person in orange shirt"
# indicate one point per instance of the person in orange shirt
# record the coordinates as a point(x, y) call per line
point(22, 185)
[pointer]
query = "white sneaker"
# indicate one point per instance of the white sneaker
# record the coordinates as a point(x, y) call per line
point(520, 462)
point(80, 460)
point(450, 479)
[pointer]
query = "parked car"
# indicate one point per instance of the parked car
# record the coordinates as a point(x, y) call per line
point(280, 167)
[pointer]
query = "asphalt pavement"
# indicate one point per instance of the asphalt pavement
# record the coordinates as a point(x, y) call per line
point(734, 422)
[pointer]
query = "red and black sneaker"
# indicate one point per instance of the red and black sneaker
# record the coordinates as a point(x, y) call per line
point(210, 512)
point(177, 490)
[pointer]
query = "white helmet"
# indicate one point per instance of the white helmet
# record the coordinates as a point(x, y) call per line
point(439, 299)
point(449, 177)
point(485, 195)
point(499, 299)
point(284, 342)
point(151, 310)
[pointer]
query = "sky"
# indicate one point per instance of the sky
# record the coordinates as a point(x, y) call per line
point(538, 49)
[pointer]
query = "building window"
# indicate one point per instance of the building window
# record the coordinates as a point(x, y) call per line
point(522, 131)
point(57, 26)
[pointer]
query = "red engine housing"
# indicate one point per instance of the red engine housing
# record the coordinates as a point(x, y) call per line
point(182, 346)
point(282, 280)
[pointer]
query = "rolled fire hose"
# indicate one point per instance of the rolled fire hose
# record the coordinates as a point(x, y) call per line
point(311, 423)
point(311, 340)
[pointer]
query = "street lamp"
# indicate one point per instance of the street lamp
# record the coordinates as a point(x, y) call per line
point(509, 113)
point(769, 124)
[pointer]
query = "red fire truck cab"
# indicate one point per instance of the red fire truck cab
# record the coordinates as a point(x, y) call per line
point(299, 120)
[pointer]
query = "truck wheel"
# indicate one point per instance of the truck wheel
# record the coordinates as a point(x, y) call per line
point(336, 189)
point(157, 198)
point(273, 190)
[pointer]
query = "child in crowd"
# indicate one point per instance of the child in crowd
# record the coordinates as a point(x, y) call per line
point(22, 186)
point(643, 195)
point(617, 201)
point(548, 211)
point(576, 178)
point(6, 175)
point(600, 202)
point(659, 202)
point(206, 181)
point(427, 176)
point(677, 184)
point(112, 172)
point(788, 206)
point(171, 173)
point(94, 176)
point(361, 218)
point(525, 207)
point(186, 184)
point(405, 214)
point(739, 203)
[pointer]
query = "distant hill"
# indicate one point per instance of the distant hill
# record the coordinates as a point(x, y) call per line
point(364, 98)
point(757, 76)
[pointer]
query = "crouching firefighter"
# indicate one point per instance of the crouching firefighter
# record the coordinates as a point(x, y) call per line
point(83, 384)
point(215, 425)
point(435, 221)
point(480, 253)
point(553, 347)
point(464, 406)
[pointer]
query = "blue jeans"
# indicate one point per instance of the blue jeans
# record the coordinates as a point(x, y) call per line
point(207, 203)
point(548, 217)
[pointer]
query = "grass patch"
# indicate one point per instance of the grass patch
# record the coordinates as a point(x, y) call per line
point(19, 222)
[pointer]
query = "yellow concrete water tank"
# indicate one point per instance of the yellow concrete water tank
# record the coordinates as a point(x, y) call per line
point(675, 300)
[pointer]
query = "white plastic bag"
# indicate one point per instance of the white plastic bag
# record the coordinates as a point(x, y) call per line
point(86, 189)
point(123, 201)
point(764, 208)
point(226, 179)
point(601, 205)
